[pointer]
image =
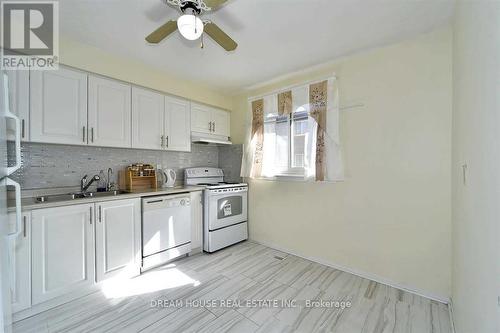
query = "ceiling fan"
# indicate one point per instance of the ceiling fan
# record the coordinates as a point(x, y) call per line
point(191, 26)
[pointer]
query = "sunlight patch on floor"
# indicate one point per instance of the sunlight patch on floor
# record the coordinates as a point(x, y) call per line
point(166, 278)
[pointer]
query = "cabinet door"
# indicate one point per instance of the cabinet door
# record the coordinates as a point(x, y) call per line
point(19, 88)
point(109, 113)
point(118, 238)
point(221, 122)
point(148, 108)
point(197, 220)
point(177, 124)
point(201, 116)
point(58, 102)
point(62, 251)
point(20, 263)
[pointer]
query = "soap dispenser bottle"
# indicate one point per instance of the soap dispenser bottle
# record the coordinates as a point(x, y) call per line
point(101, 184)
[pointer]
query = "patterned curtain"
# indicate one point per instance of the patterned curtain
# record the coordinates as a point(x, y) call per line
point(318, 107)
point(285, 103)
point(257, 136)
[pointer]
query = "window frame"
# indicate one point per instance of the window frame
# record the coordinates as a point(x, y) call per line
point(291, 172)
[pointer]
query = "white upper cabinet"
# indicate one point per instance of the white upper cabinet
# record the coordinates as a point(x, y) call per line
point(67, 106)
point(20, 263)
point(118, 238)
point(209, 120)
point(19, 89)
point(62, 251)
point(109, 113)
point(220, 122)
point(201, 117)
point(148, 108)
point(159, 121)
point(58, 106)
point(177, 124)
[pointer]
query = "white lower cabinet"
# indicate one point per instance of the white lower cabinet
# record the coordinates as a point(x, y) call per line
point(196, 221)
point(62, 251)
point(20, 261)
point(118, 238)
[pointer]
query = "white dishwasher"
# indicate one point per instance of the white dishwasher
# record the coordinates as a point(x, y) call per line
point(166, 229)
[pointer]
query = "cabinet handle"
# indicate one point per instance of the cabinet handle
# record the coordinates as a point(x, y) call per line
point(92, 133)
point(22, 128)
point(210, 126)
point(24, 226)
point(162, 141)
point(83, 134)
point(100, 213)
point(213, 127)
point(167, 140)
point(90, 214)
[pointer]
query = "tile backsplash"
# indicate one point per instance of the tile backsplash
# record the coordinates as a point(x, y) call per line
point(49, 165)
point(230, 162)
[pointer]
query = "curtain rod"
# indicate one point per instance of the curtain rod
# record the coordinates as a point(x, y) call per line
point(277, 91)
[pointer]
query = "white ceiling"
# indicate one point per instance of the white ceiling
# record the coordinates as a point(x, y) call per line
point(275, 37)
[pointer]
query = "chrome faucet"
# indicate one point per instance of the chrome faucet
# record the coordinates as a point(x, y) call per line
point(109, 184)
point(84, 185)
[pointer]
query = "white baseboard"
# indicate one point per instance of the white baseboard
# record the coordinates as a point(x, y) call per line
point(369, 276)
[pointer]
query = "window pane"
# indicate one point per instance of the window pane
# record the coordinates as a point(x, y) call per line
point(282, 144)
point(276, 145)
point(300, 130)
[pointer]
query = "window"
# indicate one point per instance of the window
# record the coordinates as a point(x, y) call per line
point(286, 142)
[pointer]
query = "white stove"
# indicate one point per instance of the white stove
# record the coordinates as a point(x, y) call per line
point(225, 208)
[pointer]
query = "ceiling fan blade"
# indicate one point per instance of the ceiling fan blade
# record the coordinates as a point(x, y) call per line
point(220, 36)
point(159, 34)
point(213, 4)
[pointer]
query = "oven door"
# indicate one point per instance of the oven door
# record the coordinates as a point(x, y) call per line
point(226, 207)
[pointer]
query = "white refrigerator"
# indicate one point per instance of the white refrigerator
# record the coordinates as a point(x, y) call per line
point(6, 231)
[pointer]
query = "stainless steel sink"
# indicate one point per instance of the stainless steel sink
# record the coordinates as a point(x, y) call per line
point(78, 195)
point(108, 193)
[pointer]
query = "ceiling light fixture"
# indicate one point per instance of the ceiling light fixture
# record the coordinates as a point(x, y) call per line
point(190, 26)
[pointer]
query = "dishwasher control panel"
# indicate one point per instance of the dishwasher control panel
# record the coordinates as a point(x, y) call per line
point(166, 202)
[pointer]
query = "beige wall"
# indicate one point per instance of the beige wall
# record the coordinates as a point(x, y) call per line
point(391, 217)
point(92, 59)
point(476, 142)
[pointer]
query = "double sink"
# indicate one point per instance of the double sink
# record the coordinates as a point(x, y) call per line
point(77, 195)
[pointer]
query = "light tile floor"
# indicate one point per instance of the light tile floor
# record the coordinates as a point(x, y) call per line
point(247, 272)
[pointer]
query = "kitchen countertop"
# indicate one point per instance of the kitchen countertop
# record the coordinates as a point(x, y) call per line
point(30, 203)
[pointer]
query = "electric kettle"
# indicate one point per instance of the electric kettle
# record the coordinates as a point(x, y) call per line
point(168, 177)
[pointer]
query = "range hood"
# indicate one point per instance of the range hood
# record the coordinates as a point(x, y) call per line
point(210, 138)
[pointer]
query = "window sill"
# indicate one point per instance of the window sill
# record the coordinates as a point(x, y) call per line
point(290, 177)
point(285, 178)
point(296, 179)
